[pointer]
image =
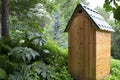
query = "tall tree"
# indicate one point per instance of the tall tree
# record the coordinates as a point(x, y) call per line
point(4, 18)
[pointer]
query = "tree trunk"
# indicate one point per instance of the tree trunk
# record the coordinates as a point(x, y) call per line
point(4, 17)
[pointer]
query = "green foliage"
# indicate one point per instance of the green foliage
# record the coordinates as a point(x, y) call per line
point(116, 13)
point(35, 71)
point(26, 54)
point(58, 61)
point(115, 52)
point(4, 45)
point(34, 58)
point(114, 70)
point(3, 74)
point(5, 64)
point(20, 6)
point(23, 53)
point(108, 5)
point(61, 75)
point(42, 68)
point(23, 72)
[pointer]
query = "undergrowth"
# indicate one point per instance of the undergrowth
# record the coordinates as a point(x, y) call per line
point(32, 57)
point(114, 70)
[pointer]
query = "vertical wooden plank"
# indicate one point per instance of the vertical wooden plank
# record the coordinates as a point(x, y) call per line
point(93, 53)
point(70, 53)
point(81, 20)
point(86, 53)
point(89, 50)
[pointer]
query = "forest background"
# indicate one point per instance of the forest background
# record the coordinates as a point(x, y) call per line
point(33, 45)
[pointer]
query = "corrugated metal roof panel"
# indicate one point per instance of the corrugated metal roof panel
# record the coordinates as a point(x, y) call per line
point(97, 18)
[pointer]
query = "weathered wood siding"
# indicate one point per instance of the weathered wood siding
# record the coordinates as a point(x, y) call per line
point(103, 45)
point(82, 48)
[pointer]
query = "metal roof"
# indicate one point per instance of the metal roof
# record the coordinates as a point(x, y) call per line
point(97, 19)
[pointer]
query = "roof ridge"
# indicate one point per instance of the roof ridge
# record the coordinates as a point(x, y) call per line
point(98, 20)
point(89, 8)
point(94, 16)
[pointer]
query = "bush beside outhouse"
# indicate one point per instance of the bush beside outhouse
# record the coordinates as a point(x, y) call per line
point(89, 44)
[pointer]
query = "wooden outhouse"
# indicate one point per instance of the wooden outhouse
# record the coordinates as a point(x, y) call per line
point(89, 40)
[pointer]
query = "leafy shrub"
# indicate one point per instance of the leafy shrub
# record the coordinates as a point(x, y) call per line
point(32, 57)
point(116, 42)
point(58, 61)
point(3, 74)
point(23, 53)
point(15, 60)
point(114, 70)
point(35, 71)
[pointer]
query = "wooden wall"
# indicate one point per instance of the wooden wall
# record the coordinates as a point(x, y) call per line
point(103, 42)
point(89, 49)
point(82, 48)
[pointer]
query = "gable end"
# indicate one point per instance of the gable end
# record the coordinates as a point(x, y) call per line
point(94, 16)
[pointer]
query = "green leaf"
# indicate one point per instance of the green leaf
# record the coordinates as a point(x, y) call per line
point(34, 54)
point(107, 6)
point(46, 51)
point(44, 74)
point(115, 3)
point(36, 41)
point(117, 13)
point(3, 74)
point(17, 76)
point(28, 56)
point(23, 53)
